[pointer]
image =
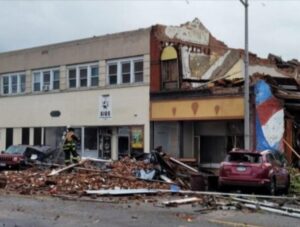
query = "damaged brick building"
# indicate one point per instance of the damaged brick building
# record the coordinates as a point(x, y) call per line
point(197, 96)
point(172, 86)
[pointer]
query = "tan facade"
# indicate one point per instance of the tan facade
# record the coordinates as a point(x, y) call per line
point(79, 106)
point(121, 45)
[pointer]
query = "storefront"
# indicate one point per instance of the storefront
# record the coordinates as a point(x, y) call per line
point(203, 129)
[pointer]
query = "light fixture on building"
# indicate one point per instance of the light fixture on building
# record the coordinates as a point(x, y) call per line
point(55, 113)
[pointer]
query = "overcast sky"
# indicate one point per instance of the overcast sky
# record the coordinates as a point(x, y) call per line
point(274, 24)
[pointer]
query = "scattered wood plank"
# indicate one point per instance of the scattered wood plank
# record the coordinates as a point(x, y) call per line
point(292, 149)
point(182, 201)
point(183, 165)
point(96, 159)
point(268, 204)
point(273, 210)
point(187, 192)
point(121, 191)
point(166, 179)
point(55, 172)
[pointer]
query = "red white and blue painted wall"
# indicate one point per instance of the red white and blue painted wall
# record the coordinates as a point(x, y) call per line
point(269, 119)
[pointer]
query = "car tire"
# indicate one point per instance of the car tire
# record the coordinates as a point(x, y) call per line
point(272, 187)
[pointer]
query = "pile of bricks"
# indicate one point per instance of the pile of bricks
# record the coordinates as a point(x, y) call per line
point(119, 174)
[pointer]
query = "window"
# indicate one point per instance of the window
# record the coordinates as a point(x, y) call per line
point(45, 80)
point(37, 136)
point(9, 137)
point(5, 85)
point(36, 81)
point(83, 72)
point(138, 71)
point(170, 74)
point(112, 73)
point(72, 78)
point(22, 83)
point(55, 79)
point(125, 71)
point(13, 83)
point(25, 135)
point(94, 76)
point(46, 77)
point(83, 76)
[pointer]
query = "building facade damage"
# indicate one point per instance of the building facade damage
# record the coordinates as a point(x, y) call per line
point(197, 89)
point(177, 87)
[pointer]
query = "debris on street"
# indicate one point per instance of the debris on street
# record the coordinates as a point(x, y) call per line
point(295, 180)
point(169, 181)
point(182, 201)
point(122, 191)
point(3, 181)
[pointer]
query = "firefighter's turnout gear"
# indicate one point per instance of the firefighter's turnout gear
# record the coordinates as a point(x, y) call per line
point(70, 147)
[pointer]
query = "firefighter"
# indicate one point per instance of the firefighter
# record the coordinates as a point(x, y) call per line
point(70, 147)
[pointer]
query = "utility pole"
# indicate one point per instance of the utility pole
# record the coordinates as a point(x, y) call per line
point(246, 82)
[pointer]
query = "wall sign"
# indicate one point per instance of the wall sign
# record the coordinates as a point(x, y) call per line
point(105, 107)
point(137, 138)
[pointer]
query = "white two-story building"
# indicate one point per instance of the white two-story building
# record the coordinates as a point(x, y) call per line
point(99, 86)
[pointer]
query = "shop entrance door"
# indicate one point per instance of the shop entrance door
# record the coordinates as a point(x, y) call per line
point(104, 147)
point(123, 146)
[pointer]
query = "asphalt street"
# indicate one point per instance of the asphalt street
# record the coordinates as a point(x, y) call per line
point(25, 211)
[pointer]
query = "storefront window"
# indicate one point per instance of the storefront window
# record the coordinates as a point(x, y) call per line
point(90, 142)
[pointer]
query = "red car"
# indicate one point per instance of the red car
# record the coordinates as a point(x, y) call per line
point(18, 156)
point(257, 169)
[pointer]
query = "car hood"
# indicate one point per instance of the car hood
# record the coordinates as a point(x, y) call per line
point(11, 155)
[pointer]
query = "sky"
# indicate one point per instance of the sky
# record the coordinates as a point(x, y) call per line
point(274, 25)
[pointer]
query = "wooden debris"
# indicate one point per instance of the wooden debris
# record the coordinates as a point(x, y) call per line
point(187, 192)
point(166, 179)
point(122, 191)
point(183, 165)
point(269, 204)
point(96, 159)
point(182, 201)
point(88, 176)
point(55, 172)
point(3, 181)
point(273, 210)
point(292, 149)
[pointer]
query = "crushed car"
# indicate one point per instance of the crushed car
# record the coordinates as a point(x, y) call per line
point(242, 168)
point(19, 156)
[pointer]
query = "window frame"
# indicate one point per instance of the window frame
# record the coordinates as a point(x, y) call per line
point(119, 63)
point(41, 74)
point(136, 72)
point(89, 75)
point(18, 84)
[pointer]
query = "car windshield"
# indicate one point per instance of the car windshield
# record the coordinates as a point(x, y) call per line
point(15, 150)
point(240, 157)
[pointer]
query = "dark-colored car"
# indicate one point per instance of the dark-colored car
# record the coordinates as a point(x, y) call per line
point(18, 156)
point(256, 169)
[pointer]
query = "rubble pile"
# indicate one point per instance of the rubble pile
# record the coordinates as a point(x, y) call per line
point(155, 175)
point(76, 181)
point(295, 180)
